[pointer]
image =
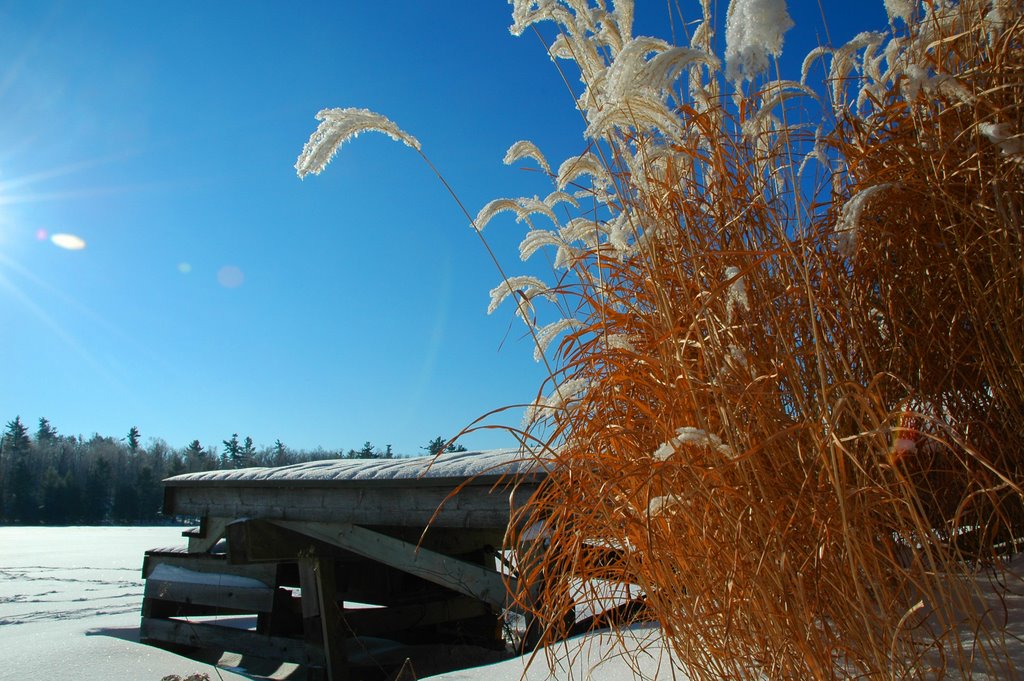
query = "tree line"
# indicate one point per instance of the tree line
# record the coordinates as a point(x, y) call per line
point(54, 479)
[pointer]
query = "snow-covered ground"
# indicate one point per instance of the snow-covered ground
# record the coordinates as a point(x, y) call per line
point(70, 599)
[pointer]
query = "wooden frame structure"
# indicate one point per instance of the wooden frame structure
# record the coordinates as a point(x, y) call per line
point(299, 547)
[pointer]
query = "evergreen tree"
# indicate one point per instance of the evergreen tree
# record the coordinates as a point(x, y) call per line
point(97, 492)
point(46, 433)
point(133, 439)
point(231, 452)
point(16, 439)
point(281, 455)
point(71, 499)
point(247, 453)
point(125, 507)
point(24, 494)
point(440, 444)
point(54, 496)
point(435, 446)
point(19, 482)
point(61, 479)
point(195, 456)
point(176, 465)
point(151, 494)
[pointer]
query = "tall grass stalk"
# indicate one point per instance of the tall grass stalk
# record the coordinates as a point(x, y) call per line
point(786, 398)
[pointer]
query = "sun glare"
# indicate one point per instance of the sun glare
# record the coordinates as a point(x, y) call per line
point(68, 242)
point(230, 276)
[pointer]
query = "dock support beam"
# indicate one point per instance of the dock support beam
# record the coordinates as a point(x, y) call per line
point(321, 616)
point(471, 580)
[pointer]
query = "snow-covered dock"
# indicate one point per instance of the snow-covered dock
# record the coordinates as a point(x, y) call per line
point(326, 556)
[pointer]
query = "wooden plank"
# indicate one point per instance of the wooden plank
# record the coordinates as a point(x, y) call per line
point(242, 641)
point(310, 599)
point(446, 540)
point(465, 578)
point(383, 621)
point(230, 598)
point(334, 632)
point(473, 507)
point(208, 563)
point(256, 541)
point(259, 541)
point(210, 532)
point(321, 621)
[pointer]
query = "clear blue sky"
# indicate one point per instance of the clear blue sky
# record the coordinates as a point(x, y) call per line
point(219, 294)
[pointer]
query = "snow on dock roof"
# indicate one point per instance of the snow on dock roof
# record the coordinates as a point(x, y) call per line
point(482, 466)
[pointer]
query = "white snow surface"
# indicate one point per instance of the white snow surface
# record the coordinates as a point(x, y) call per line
point(70, 601)
point(455, 465)
point(754, 29)
point(173, 573)
point(640, 654)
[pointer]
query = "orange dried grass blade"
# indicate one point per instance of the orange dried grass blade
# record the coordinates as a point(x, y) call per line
point(801, 554)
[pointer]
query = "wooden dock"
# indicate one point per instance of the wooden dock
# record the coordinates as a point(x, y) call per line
point(321, 560)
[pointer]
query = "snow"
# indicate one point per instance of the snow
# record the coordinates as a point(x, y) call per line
point(70, 600)
point(173, 573)
point(455, 465)
point(754, 29)
point(596, 656)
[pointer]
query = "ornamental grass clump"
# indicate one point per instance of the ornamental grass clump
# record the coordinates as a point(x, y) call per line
point(934, 170)
point(784, 412)
point(788, 409)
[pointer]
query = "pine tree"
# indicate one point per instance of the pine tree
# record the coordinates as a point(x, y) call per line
point(229, 457)
point(97, 492)
point(435, 446)
point(18, 480)
point(54, 497)
point(125, 507)
point(16, 438)
point(195, 456)
point(45, 433)
point(133, 440)
point(150, 494)
point(247, 453)
point(440, 444)
point(280, 453)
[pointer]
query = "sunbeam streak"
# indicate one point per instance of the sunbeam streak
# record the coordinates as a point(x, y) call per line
point(58, 330)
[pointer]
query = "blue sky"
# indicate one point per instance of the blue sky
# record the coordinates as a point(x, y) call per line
point(219, 294)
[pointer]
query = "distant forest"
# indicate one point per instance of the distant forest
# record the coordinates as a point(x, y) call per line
point(53, 479)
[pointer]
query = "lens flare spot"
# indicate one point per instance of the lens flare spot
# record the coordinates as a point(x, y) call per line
point(42, 235)
point(184, 267)
point(230, 276)
point(68, 242)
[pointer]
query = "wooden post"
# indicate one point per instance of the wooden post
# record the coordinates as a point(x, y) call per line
point(472, 580)
point(206, 537)
point(321, 617)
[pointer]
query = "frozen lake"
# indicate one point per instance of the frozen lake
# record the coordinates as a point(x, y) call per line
point(69, 605)
point(64, 574)
point(70, 600)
